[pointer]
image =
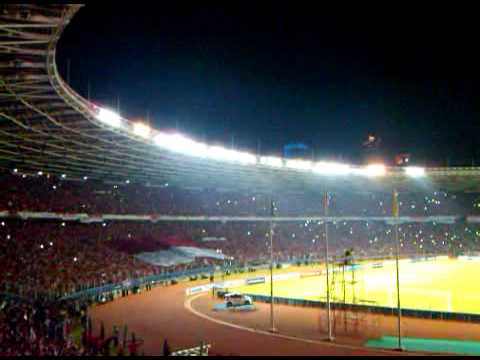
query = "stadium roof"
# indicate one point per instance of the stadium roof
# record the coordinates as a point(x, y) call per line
point(46, 126)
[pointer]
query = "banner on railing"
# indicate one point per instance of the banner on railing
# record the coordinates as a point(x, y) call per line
point(155, 218)
point(312, 274)
point(92, 219)
point(286, 276)
point(422, 219)
point(38, 215)
point(255, 280)
point(231, 283)
point(74, 217)
point(199, 289)
point(212, 238)
point(469, 257)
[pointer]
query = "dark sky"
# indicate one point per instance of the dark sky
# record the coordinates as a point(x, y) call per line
point(286, 72)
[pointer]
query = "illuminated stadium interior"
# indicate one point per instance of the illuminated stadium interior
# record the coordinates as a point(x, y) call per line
point(102, 214)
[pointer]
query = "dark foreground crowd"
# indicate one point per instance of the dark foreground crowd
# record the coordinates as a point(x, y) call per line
point(62, 328)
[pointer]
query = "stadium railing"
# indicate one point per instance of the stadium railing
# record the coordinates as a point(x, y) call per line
point(138, 282)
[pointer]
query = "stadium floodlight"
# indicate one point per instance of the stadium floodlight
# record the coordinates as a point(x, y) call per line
point(330, 168)
point(299, 164)
point(414, 171)
point(372, 170)
point(271, 161)
point(40, 173)
point(64, 176)
point(220, 153)
point(109, 117)
point(181, 144)
point(15, 170)
point(141, 129)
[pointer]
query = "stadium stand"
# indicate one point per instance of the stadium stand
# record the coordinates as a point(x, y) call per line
point(38, 245)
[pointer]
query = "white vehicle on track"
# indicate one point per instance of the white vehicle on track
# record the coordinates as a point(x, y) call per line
point(237, 299)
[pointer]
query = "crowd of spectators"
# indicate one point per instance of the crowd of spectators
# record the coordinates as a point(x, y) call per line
point(45, 258)
point(45, 193)
point(59, 258)
point(60, 328)
point(36, 329)
point(42, 257)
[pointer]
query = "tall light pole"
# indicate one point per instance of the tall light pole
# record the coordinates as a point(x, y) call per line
point(397, 255)
point(329, 324)
point(272, 320)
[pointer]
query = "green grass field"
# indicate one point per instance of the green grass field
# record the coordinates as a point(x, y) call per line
point(448, 285)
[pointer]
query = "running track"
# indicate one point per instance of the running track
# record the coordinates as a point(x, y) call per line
point(162, 313)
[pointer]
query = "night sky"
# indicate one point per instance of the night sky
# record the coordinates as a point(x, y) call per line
point(264, 76)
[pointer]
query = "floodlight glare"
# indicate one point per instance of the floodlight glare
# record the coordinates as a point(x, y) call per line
point(141, 129)
point(271, 161)
point(414, 171)
point(220, 153)
point(109, 117)
point(181, 144)
point(373, 170)
point(329, 168)
point(299, 164)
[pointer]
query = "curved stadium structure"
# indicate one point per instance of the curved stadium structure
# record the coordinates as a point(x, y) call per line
point(46, 126)
point(76, 240)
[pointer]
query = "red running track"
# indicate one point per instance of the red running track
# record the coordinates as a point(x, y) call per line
point(160, 314)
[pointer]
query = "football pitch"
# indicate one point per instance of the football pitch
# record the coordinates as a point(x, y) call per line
point(446, 285)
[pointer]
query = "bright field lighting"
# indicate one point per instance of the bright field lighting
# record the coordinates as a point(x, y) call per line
point(109, 117)
point(271, 161)
point(415, 171)
point(373, 170)
point(142, 130)
point(220, 153)
point(328, 168)
point(299, 164)
point(180, 144)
